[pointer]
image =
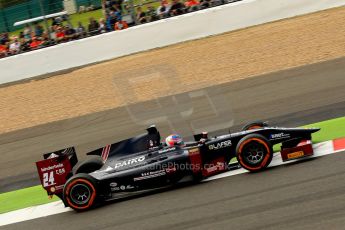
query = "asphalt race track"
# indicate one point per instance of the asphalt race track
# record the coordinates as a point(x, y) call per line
point(288, 98)
point(307, 195)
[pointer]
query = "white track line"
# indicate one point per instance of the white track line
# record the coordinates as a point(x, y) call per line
point(33, 213)
point(320, 149)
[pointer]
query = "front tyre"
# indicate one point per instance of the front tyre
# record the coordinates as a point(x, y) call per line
point(80, 192)
point(254, 152)
point(254, 125)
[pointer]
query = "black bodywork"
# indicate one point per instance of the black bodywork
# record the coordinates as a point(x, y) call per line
point(143, 163)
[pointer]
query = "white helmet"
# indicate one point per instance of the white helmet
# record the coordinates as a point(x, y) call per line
point(173, 140)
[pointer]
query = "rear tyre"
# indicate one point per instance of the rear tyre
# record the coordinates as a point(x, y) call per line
point(80, 192)
point(254, 125)
point(254, 152)
point(197, 178)
point(91, 164)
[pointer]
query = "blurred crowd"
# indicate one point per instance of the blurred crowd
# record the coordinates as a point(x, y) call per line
point(35, 36)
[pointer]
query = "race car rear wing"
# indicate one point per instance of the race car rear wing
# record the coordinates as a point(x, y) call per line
point(55, 170)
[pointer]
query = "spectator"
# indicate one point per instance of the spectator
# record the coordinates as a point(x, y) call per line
point(21, 36)
point(60, 34)
point(65, 17)
point(80, 31)
point(163, 9)
point(151, 14)
point(93, 27)
point(126, 6)
point(116, 5)
point(25, 46)
point(107, 4)
point(110, 21)
point(38, 30)
point(177, 8)
point(36, 37)
point(56, 21)
point(70, 33)
point(3, 50)
point(35, 43)
point(205, 4)
point(4, 39)
point(27, 32)
point(117, 13)
point(53, 31)
point(141, 16)
point(46, 41)
point(192, 5)
point(121, 25)
point(14, 47)
point(1, 38)
point(102, 27)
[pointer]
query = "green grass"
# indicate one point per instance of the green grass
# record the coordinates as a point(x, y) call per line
point(96, 14)
point(23, 198)
point(27, 197)
point(330, 130)
point(74, 19)
point(84, 17)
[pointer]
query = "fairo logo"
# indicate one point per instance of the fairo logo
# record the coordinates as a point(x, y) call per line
point(129, 162)
point(220, 145)
point(279, 136)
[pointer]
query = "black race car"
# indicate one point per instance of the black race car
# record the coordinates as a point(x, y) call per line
point(143, 163)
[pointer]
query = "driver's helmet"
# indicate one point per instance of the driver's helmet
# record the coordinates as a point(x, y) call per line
point(174, 140)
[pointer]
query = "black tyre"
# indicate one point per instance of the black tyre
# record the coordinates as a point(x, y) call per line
point(91, 164)
point(254, 125)
point(254, 152)
point(197, 178)
point(80, 192)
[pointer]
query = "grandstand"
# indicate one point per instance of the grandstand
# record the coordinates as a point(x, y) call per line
point(85, 18)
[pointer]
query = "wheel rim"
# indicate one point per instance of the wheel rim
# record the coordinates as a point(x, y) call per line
point(254, 153)
point(80, 194)
point(254, 127)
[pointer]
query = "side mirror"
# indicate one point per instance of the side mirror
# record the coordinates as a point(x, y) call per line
point(199, 136)
point(152, 129)
point(154, 137)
